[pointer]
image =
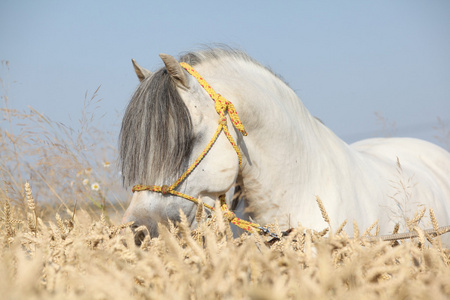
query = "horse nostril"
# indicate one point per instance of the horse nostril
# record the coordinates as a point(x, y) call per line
point(139, 236)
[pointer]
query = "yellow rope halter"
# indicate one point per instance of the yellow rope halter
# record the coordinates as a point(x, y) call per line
point(222, 106)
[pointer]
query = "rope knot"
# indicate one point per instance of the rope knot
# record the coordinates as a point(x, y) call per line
point(165, 189)
point(229, 215)
point(223, 121)
point(220, 104)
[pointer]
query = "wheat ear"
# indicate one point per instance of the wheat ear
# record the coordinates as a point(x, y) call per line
point(355, 230)
point(32, 217)
point(417, 217)
point(341, 227)
point(323, 211)
point(369, 229)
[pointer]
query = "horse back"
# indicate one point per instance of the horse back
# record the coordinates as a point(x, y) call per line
point(417, 168)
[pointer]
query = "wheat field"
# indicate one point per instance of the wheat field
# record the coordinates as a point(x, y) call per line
point(85, 256)
point(61, 236)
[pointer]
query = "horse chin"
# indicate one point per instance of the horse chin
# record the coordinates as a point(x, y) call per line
point(151, 228)
point(146, 218)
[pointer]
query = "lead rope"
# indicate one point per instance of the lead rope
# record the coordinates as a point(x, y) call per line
point(222, 106)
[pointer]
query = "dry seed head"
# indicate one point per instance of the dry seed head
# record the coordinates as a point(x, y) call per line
point(369, 229)
point(323, 232)
point(15, 221)
point(7, 210)
point(384, 276)
point(60, 223)
point(417, 217)
point(377, 231)
point(219, 217)
point(429, 238)
point(29, 196)
point(341, 227)
point(434, 220)
point(172, 228)
point(141, 228)
point(146, 242)
point(323, 211)
point(399, 165)
point(31, 222)
point(421, 235)
point(355, 229)
point(139, 280)
point(395, 231)
point(125, 225)
point(8, 220)
point(396, 228)
point(103, 219)
point(435, 223)
point(199, 212)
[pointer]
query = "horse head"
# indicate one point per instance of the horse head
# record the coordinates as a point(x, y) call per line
point(167, 129)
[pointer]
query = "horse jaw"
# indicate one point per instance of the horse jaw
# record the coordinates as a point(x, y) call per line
point(141, 72)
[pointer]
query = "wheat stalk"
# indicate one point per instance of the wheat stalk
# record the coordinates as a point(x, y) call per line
point(417, 217)
point(355, 230)
point(29, 197)
point(323, 211)
point(369, 229)
point(421, 236)
point(323, 232)
point(31, 217)
point(396, 228)
point(341, 227)
point(8, 222)
point(434, 220)
point(199, 213)
point(436, 229)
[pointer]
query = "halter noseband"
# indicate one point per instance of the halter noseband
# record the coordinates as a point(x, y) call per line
point(222, 106)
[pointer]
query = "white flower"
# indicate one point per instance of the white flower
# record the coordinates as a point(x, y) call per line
point(95, 186)
point(106, 164)
point(85, 181)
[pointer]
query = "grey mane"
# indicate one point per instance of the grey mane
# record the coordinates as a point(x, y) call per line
point(156, 136)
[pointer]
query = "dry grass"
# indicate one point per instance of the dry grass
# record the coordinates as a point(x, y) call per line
point(66, 166)
point(60, 239)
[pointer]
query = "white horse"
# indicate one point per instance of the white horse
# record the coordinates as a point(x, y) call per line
point(288, 158)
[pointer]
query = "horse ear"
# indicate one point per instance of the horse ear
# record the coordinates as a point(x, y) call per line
point(175, 70)
point(141, 72)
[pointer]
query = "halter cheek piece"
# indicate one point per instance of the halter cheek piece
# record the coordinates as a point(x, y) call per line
point(221, 105)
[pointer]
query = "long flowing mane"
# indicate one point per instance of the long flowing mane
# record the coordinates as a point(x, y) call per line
point(156, 136)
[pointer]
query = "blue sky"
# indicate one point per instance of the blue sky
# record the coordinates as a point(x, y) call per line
point(346, 60)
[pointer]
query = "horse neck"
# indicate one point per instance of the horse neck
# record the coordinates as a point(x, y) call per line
point(287, 150)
